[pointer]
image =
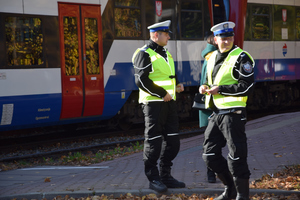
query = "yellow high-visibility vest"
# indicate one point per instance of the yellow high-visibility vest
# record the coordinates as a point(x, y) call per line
point(225, 77)
point(160, 75)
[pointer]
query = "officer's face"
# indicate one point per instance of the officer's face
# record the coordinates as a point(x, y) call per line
point(225, 43)
point(162, 38)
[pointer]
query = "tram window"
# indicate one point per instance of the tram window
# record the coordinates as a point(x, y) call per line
point(71, 46)
point(298, 24)
point(261, 23)
point(219, 11)
point(247, 32)
point(191, 20)
point(127, 14)
point(284, 22)
point(91, 46)
point(24, 41)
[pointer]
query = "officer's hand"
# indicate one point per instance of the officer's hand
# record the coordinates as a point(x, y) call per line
point(214, 90)
point(179, 88)
point(203, 89)
point(167, 98)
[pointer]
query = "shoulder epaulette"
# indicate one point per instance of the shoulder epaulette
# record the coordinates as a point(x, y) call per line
point(144, 48)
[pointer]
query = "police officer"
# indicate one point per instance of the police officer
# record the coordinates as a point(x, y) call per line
point(155, 76)
point(230, 79)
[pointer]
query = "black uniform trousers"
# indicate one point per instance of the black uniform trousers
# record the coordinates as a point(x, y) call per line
point(161, 137)
point(226, 128)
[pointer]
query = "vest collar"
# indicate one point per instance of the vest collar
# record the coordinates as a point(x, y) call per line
point(227, 52)
point(221, 56)
point(155, 46)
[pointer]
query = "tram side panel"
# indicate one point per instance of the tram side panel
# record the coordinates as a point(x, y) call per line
point(30, 79)
point(32, 95)
point(31, 87)
point(271, 38)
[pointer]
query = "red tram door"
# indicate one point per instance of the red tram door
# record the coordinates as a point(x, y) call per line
point(231, 10)
point(81, 60)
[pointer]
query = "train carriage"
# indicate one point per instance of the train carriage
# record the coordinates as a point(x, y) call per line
point(69, 61)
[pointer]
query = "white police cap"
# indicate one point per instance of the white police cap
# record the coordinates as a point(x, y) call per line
point(224, 29)
point(161, 26)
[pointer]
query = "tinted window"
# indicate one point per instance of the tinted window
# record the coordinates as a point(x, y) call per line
point(91, 46)
point(71, 46)
point(284, 23)
point(127, 18)
point(191, 20)
point(260, 23)
point(134, 3)
point(298, 24)
point(219, 11)
point(24, 41)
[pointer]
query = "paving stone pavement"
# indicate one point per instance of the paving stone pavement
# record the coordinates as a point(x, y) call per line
point(273, 142)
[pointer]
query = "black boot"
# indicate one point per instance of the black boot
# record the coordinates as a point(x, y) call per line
point(230, 191)
point(157, 186)
point(242, 187)
point(170, 181)
point(211, 176)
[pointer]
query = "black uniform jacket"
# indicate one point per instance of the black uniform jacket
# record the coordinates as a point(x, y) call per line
point(243, 71)
point(143, 66)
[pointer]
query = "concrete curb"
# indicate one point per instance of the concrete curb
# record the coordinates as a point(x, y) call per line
point(143, 192)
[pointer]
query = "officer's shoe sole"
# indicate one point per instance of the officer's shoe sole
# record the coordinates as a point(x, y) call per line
point(158, 186)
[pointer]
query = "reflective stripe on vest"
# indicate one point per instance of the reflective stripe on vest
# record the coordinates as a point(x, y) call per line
point(160, 75)
point(225, 77)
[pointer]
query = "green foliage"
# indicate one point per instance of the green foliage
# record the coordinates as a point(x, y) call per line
point(48, 160)
point(23, 163)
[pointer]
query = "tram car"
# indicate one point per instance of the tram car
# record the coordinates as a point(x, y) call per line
point(69, 61)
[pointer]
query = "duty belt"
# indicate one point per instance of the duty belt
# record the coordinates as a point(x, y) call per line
point(227, 111)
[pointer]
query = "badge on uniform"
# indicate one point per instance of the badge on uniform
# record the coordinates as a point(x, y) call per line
point(247, 67)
